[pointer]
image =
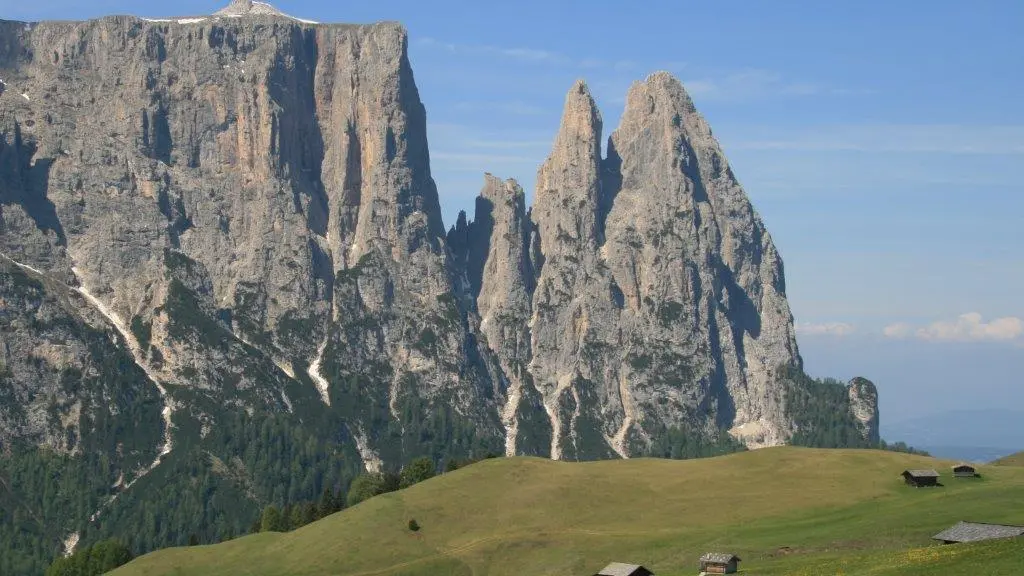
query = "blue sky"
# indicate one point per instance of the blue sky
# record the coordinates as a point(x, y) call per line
point(882, 143)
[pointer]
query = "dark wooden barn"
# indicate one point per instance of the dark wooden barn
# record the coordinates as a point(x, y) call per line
point(717, 563)
point(620, 569)
point(976, 531)
point(919, 478)
point(964, 471)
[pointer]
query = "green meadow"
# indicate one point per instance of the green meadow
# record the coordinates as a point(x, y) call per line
point(784, 511)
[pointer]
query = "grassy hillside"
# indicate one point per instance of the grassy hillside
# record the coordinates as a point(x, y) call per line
point(785, 511)
point(1011, 460)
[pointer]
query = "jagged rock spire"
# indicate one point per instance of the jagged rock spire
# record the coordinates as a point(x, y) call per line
point(659, 293)
point(570, 177)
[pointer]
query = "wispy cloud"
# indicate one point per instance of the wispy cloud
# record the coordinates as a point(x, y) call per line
point(520, 53)
point(950, 139)
point(747, 85)
point(826, 329)
point(460, 148)
point(548, 57)
point(970, 327)
point(898, 330)
point(533, 55)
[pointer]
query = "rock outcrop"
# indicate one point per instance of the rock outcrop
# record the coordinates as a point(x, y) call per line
point(252, 195)
point(659, 301)
point(863, 396)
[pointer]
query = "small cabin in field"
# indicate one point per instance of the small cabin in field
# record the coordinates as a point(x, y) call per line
point(717, 563)
point(619, 569)
point(975, 531)
point(919, 478)
point(964, 471)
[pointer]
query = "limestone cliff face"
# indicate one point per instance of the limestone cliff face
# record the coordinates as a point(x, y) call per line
point(659, 300)
point(495, 252)
point(241, 190)
point(245, 199)
point(863, 397)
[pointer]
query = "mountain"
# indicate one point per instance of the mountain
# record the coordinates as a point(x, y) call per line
point(641, 292)
point(224, 274)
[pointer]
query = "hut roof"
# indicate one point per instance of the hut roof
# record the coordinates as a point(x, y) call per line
point(719, 558)
point(620, 569)
point(963, 465)
point(922, 473)
point(974, 531)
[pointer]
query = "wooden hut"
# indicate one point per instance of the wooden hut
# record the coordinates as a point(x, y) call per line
point(919, 478)
point(619, 569)
point(718, 563)
point(976, 531)
point(964, 471)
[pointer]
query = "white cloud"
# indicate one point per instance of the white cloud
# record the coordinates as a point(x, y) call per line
point(549, 57)
point(524, 54)
point(826, 329)
point(898, 331)
point(970, 327)
point(533, 55)
point(748, 85)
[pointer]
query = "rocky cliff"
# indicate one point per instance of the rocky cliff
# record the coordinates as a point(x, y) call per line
point(654, 296)
point(863, 396)
point(222, 262)
point(240, 187)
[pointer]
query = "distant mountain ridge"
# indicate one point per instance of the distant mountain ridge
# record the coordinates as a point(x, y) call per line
point(224, 272)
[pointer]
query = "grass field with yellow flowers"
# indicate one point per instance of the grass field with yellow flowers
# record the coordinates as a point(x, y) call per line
point(784, 511)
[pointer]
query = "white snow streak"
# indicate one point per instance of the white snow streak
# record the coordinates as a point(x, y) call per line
point(25, 96)
point(618, 442)
point(551, 407)
point(393, 401)
point(508, 417)
point(191, 20)
point(136, 352)
point(23, 266)
point(575, 417)
point(318, 378)
point(70, 543)
point(264, 8)
point(371, 461)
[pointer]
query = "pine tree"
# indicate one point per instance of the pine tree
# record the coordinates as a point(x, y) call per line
point(271, 520)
